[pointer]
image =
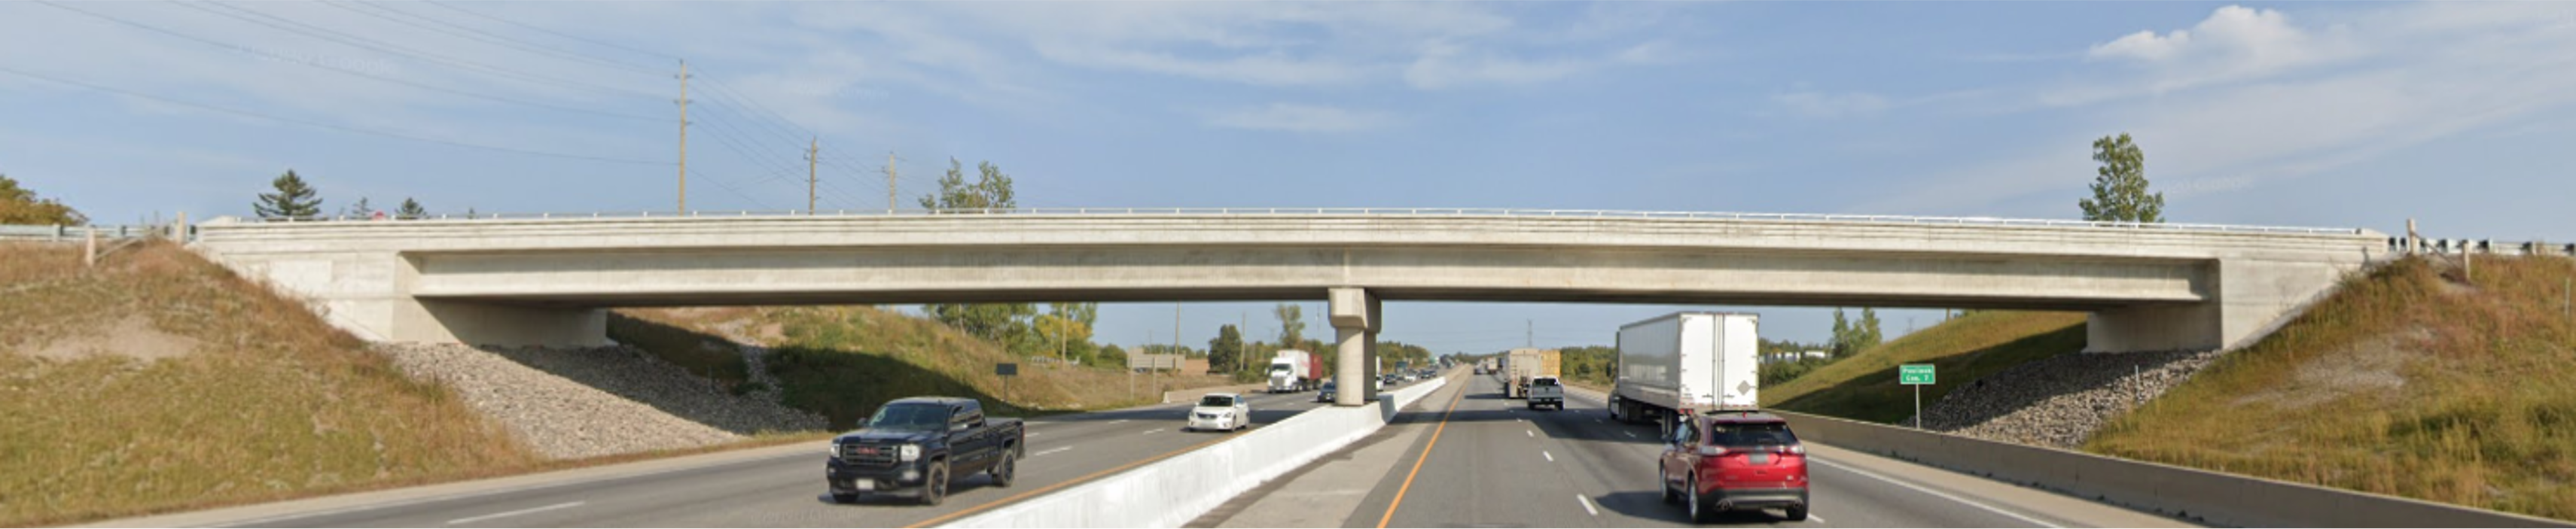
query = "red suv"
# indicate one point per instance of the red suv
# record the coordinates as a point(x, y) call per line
point(1726, 460)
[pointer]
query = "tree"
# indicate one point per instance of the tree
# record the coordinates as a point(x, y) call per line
point(359, 209)
point(2120, 185)
point(411, 210)
point(293, 199)
point(1066, 329)
point(19, 205)
point(1292, 324)
point(991, 190)
point(1867, 335)
point(1225, 352)
point(1113, 355)
point(1842, 335)
point(1008, 323)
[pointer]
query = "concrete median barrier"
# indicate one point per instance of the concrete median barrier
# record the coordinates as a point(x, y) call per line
point(1174, 491)
point(2191, 494)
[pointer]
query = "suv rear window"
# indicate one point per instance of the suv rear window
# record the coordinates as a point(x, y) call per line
point(1543, 382)
point(1733, 434)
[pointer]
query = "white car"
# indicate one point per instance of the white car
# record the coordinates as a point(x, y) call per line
point(1220, 411)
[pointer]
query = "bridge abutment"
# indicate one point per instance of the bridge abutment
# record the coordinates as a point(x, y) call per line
point(442, 321)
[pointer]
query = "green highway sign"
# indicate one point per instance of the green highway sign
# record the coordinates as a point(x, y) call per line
point(1914, 374)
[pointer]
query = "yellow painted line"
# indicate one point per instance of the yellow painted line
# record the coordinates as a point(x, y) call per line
point(945, 518)
point(1426, 455)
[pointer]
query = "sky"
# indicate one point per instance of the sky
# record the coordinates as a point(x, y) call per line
point(2298, 114)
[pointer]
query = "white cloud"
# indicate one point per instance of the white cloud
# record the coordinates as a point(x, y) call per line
point(2403, 76)
point(2234, 43)
point(1300, 118)
point(1444, 65)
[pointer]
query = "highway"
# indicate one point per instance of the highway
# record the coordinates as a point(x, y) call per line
point(1493, 463)
point(785, 489)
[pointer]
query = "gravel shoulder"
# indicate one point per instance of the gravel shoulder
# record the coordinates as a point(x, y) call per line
point(585, 402)
point(2059, 401)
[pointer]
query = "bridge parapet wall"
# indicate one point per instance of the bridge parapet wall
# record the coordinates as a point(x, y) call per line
point(519, 280)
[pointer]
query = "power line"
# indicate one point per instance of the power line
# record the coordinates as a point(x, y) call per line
point(318, 64)
point(316, 124)
point(732, 140)
point(503, 40)
point(724, 95)
point(548, 31)
point(387, 47)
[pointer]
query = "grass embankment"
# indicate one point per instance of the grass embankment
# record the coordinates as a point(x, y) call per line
point(844, 361)
point(1962, 350)
point(2413, 381)
point(160, 381)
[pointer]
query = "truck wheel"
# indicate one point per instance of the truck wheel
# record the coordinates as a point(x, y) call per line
point(934, 486)
point(1004, 471)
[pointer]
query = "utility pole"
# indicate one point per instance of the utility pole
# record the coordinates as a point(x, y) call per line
point(889, 182)
point(684, 137)
point(812, 152)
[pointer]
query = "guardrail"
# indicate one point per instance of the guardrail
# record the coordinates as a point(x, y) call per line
point(1446, 212)
point(2403, 245)
point(56, 233)
point(2192, 494)
point(1173, 491)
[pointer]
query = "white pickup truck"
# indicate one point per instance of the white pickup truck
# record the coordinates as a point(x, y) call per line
point(1544, 391)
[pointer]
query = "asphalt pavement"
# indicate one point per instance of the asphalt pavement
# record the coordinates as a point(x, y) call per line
point(1494, 463)
point(786, 489)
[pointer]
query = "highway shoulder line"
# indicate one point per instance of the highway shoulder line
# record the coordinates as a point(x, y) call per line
point(1936, 493)
point(506, 514)
point(1454, 395)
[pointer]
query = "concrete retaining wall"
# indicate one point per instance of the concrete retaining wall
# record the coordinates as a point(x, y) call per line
point(1174, 491)
point(2196, 495)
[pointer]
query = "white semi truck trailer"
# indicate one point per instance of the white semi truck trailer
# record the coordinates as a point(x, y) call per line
point(1292, 370)
point(1696, 360)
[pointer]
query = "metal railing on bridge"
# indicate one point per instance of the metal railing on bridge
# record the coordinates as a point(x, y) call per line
point(1442, 212)
point(54, 233)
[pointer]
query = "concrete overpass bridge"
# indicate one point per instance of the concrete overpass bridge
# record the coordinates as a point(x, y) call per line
point(548, 279)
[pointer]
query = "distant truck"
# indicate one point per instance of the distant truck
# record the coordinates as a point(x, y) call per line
point(1292, 371)
point(1686, 360)
point(1521, 365)
point(921, 445)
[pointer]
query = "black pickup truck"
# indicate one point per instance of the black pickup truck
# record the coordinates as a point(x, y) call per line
point(920, 445)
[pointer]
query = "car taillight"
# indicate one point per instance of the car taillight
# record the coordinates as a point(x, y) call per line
point(1712, 451)
point(1797, 449)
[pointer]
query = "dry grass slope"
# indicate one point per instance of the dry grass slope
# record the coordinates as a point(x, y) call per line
point(2414, 381)
point(844, 361)
point(270, 402)
point(1961, 351)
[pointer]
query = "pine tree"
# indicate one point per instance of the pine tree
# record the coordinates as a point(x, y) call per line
point(411, 210)
point(293, 199)
point(359, 210)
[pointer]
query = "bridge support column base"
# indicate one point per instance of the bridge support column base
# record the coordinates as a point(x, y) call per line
point(1355, 325)
point(470, 323)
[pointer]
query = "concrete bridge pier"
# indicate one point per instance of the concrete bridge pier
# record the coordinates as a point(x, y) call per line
point(1355, 326)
